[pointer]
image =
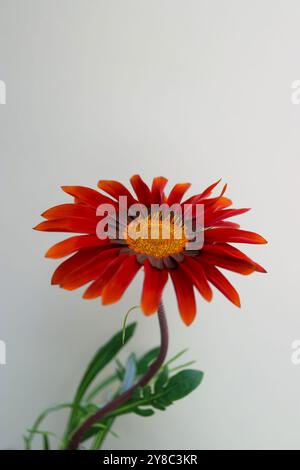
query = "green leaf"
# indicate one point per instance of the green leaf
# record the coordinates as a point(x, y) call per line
point(161, 380)
point(125, 320)
point(103, 356)
point(28, 439)
point(165, 393)
point(145, 361)
point(174, 358)
point(182, 384)
point(46, 443)
point(143, 412)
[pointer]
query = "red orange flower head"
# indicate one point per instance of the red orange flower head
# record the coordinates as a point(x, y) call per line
point(121, 232)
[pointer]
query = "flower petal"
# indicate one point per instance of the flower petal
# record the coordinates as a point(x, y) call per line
point(177, 193)
point(116, 287)
point(240, 266)
point(220, 215)
point(69, 210)
point(141, 190)
point(68, 246)
point(154, 283)
point(228, 250)
point(185, 295)
point(233, 236)
point(90, 270)
point(195, 272)
point(116, 189)
point(87, 195)
point(222, 284)
point(70, 224)
point(96, 288)
point(75, 261)
point(157, 190)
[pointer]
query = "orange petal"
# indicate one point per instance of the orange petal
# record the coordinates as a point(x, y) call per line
point(91, 270)
point(72, 263)
point(116, 189)
point(228, 250)
point(69, 210)
point(68, 246)
point(87, 195)
point(240, 266)
point(222, 284)
point(154, 283)
point(75, 224)
point(116, 287)
point(233, 236)
point(185, 295)
point(217, 216)
point(195, 272)
point(177, 193)
point(141, 190)
point(158, 186)
point(96, 288)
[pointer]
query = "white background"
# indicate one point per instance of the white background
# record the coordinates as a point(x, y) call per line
point(190, 89)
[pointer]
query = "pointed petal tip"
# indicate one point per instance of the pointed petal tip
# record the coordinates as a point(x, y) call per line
point(38, 227)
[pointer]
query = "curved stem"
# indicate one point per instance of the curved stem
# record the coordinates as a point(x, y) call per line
point(120, 399)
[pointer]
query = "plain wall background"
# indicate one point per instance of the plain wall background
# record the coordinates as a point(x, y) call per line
point(190, 89)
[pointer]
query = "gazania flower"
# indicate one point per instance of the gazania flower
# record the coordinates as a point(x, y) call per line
point(109, 264)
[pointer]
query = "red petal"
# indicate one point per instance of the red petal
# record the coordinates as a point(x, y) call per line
point(209, 190)
point(221, 283)
point(185, 295)
point(158, 186)
point(75, 224)
point(177, 193)
point(69, 210)
point(233, 236)
point(206, 193)
point(154, 283)
point(116, 189)
point(228, 250)
point(66, 247)
point(116, 287)
point(141, 190)
point(226, 262)
point(227, 224)
point(195, 272)
point(87, 195)
point(96, 288)
point(72, 263)
point(90, 270)
point(217, 216)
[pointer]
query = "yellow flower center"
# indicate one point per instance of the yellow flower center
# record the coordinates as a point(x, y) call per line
point(156, 237)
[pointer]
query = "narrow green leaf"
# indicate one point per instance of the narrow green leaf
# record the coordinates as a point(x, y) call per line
point(46, 443)
point(174, 358)
point(161, 380)
point(103, 356)
point(125, 320)
point(40, 418)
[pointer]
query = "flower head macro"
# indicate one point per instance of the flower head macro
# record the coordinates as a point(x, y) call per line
point(184, 244)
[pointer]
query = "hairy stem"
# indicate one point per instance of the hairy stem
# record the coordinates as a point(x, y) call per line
point(120, 399)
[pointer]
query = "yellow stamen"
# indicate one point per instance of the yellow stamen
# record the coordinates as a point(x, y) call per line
point(156, 237)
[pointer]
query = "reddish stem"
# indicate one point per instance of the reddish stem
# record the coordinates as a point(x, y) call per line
point(120, 399)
